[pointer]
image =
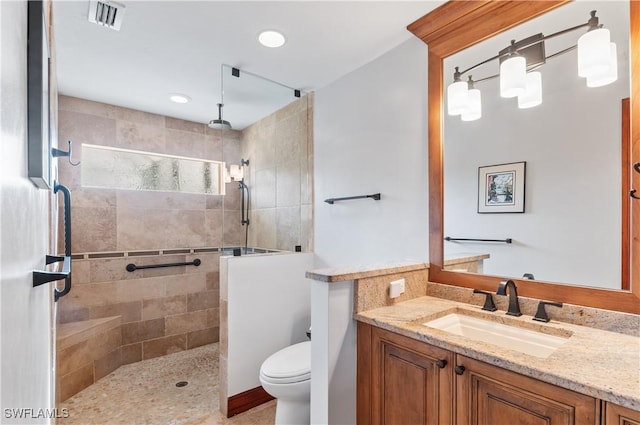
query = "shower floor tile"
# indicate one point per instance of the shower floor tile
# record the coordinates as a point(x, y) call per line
point(146, 393)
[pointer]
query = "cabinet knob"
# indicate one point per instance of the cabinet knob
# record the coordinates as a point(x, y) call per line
point(459, 370)
point(441, 363)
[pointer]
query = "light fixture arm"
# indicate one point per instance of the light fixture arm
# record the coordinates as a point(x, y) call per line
point(518, 64)
point(592, 23)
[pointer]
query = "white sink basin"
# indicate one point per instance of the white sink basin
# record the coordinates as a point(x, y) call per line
point(517, 338)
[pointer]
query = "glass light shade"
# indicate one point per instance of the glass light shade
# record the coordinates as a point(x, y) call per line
point(235, 171)
point(594, 52)
point(457, 97)
point(608, 76)
point(474, 106)
point(532, 96)
point(513, 76)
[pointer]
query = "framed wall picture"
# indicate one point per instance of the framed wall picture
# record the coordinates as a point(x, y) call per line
point(38, 140)
point(501, 188)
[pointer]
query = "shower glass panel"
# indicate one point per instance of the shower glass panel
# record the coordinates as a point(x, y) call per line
point(270, 130)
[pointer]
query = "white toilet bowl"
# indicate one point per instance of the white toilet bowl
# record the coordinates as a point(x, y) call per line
point(286, 375)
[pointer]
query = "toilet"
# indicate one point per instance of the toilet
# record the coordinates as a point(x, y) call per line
point(286, 375)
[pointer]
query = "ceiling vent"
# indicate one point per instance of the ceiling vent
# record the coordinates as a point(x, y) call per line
point(106, 13)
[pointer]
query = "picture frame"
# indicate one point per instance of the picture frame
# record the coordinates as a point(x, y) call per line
point(38, 104)
point(501, 188)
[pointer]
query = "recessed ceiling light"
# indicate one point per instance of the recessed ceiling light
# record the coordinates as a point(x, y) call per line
point(271, 38)
point(179, 98)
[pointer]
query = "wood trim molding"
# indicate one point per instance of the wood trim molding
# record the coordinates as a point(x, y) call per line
point(247, 400)
point(455, 26)
point(626, 168)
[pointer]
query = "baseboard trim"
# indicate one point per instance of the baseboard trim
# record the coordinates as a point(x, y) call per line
point(247, 400)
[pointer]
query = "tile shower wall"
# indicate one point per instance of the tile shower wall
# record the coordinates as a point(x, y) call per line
point(121, 220)
point(167, 310)
point(280, 148)
point(162, 310)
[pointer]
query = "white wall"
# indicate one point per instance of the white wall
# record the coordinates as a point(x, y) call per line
point(370, 136)
point(26, 337)
point(269, 308)
point(333, 354)
point(570, 231)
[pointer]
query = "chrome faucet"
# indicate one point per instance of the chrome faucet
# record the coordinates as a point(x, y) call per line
point(514, 307)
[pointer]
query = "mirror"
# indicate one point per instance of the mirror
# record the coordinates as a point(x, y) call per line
point(569, 210)
point(452, 28)
point(270, 129)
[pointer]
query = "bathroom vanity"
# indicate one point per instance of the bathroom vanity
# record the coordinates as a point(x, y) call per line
point(582, 367)
point(409, 372)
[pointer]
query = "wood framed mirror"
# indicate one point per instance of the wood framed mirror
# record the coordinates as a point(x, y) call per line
point(456, 26)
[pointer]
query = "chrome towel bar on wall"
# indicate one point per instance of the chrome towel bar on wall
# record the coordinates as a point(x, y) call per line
point(375, 197)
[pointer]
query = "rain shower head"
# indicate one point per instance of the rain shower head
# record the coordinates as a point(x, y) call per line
point(219, 123)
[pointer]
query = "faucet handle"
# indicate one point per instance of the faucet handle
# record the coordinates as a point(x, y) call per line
point(489, 305)
point(541, 313)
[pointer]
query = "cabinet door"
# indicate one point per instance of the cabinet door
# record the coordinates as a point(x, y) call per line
point(490, 395)
point(411, 382)
point(618, 415)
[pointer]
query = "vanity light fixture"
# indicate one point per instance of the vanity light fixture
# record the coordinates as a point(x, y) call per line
point(179, 98)
point(473, 111)
point(513, 73)
point(597, 62)
point(457, 94)
point(532, 95)
point(272, 38)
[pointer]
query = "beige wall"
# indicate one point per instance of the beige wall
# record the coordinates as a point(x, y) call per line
point(171, 309)
point(122, 220)
point(279, 176)
point(280, 148)
point(162, 310)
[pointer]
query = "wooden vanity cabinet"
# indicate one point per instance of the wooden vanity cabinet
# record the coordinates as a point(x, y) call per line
point(487, 394)
point(404, 381)
point(618, 415)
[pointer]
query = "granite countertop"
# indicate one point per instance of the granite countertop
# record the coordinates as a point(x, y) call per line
point(601, 364)
point(342, 274)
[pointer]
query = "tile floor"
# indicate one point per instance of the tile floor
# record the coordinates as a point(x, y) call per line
point(146, 393)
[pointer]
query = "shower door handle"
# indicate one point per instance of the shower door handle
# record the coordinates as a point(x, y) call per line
point(40, 277)
point(67, 238)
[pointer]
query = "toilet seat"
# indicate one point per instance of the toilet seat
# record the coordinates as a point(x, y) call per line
point(289, 365)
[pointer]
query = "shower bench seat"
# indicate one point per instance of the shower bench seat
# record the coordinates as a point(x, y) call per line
point(85, 352)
